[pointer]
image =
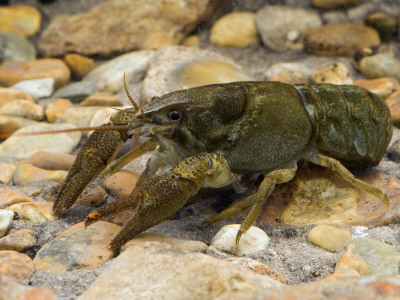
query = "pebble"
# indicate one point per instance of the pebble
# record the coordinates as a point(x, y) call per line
point(350, 273)
point(9, 286)
point(13, 46)
point(350, 259)
point(385, 24)
point(10, 196)
point(191, 41)
point(257, 267)
point(27, 174)
point(131, 25)
point(394, 151)
point(37, 88)
point(102, 99)
point(79, 65)
point(195, 276)
point(289, 72)
point(23, 147)
point(6, 219)
point(77, 248)
point(8, 95)
point(336, 73)
point(10, 124)
point(79, 116)
point(102, 116)
point(383, 87)
point(56, 109)
point(283, 28)
point(12, 72)
point(109, 75)
point(340, 39)
point(334, 4)
point(36, 212)
point(236, 29)
point(51, 161)
point(16, 265)
point(24, 109)
point(7, 172)
point(77, 91)
point(329, 237)
point(22, 19)
point(19, 240)
point(393, 102)
point(184, 245)
point(380, 65)
point(121, 184)
point(252, 241)
point(176, 68)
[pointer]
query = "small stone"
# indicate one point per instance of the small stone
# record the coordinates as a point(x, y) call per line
point(329, 238)
point(386, 25)
point(236, 29)
point(51, 161)
point(283, 28)
point(6, 173)
point(13, 46)
point(79, 64)
point(8, 95)
point(350, 259)
point(27, 174)
point(102, 99)
point(77, 91)
point(393, 102)
point(16, 265)
point(121, 184)
point(23, 108)
point(257, 267)
point(340, 39)
point(336, 73)
point(22, 19)
point(289, 72)
point(10, 124)
point(109, 75)
point(10, 196)
point(394, 151)
point(19, 240)
point(56, 109)
point(381, 86)
point(77, 248)
point(334, 4)
point(36, 212)
point(252, 241)
point(102, 116)
point(350, 273)
point(37, 88)
point(23, 147)
point(6, 219)
point(184, 245)
point(12, 72)
point(192, 41)
point(9, 286)
point(79, 116)
point(380, 65)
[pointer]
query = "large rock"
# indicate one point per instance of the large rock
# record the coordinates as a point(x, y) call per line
point(123, 25)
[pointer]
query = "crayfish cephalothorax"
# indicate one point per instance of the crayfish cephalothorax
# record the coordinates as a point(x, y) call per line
point(207, 132)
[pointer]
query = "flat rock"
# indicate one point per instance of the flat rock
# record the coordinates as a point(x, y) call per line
point(22, 19)
point(12, 72)
point(79, 116)
point(77, 91)
point(36, 212)
point(24, 109)
point(79, 65)
point(329, 237)
point(16, 265)
point(10, 196)
point(37, 88)
point(77, 248)
point(19, 240)
point(383, 87)
point(8, 95)
point(194, 276)
point(51, 161)
point(102, 99)
point(13, 46)
point(130, 25)
point(341, 39)
point(27, 174)
point(284, 28)
point(21, 147)
point(334, 4)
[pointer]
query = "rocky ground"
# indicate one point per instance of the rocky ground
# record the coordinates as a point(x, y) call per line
point(62, 64)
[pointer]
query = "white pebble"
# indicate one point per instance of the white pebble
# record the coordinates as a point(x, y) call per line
point(6, 218)
point(37, 88)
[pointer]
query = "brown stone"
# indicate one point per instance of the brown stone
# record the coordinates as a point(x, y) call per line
point(19, 240)
point(8, 95)
point(56, 109)
point(393, 102)
point(10, 124)
point(51, 160)
point(329, 237)
point(79, 65)
point(6, 172)
point(10, 287)
point(23, 108)
point(16, 265)
point(350, 259)
point(102, 99)
point(12, 72)
point(121, 183)
point(37, 212)
point(383, 87)
point(28, 174)
point(10, 196)
point(342, 39)
point(22, 19)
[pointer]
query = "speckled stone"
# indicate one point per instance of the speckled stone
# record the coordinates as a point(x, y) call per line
point(336, 73)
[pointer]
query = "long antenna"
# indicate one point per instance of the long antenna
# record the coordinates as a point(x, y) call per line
point(129, 95)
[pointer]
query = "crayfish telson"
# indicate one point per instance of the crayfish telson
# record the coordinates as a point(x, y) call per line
point(205, 133)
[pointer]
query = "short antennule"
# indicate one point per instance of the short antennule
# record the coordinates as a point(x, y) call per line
point(129, 95)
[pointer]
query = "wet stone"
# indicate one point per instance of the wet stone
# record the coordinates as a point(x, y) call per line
point(23, 108)
point(341, 39)
point(77, 91)
point(329, 237)
point(336, 73)
point(15, 47)
point(237, 29)
point(22, 19)
point(77, 248)
point(36, 212)
point(79, 65)
point(6, 172)
point(102, 99)
point(27, 174)
point(6, 219)
point(16, 265)
point(393, 103)
point(381, 86)
point(385, 24)
point(252, 241)
point(10, 196)
point(380, 65)
point(121, 184)
point(37, 88)
point(12, 72)
point(19, 240)
point(56, 109)
point(51, 161)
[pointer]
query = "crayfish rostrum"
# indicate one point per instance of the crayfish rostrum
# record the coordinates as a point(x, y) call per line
point(205, 134)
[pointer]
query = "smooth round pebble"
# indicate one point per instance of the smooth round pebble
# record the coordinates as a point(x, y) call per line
point(79, 65)
point(6, 219)
point(121, 184)
point(102, 99)
point(350, 259)
point(23, 108)
point(329, 237)
point(289, 72)
point(393, 102)
point(8, 95)
point(56, 109)
point(22, 19)
point(51, 160)
point(37, 88)
point(380, 65)
point(252, 241)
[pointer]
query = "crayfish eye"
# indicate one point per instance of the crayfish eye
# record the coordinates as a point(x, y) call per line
point(174, 115)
